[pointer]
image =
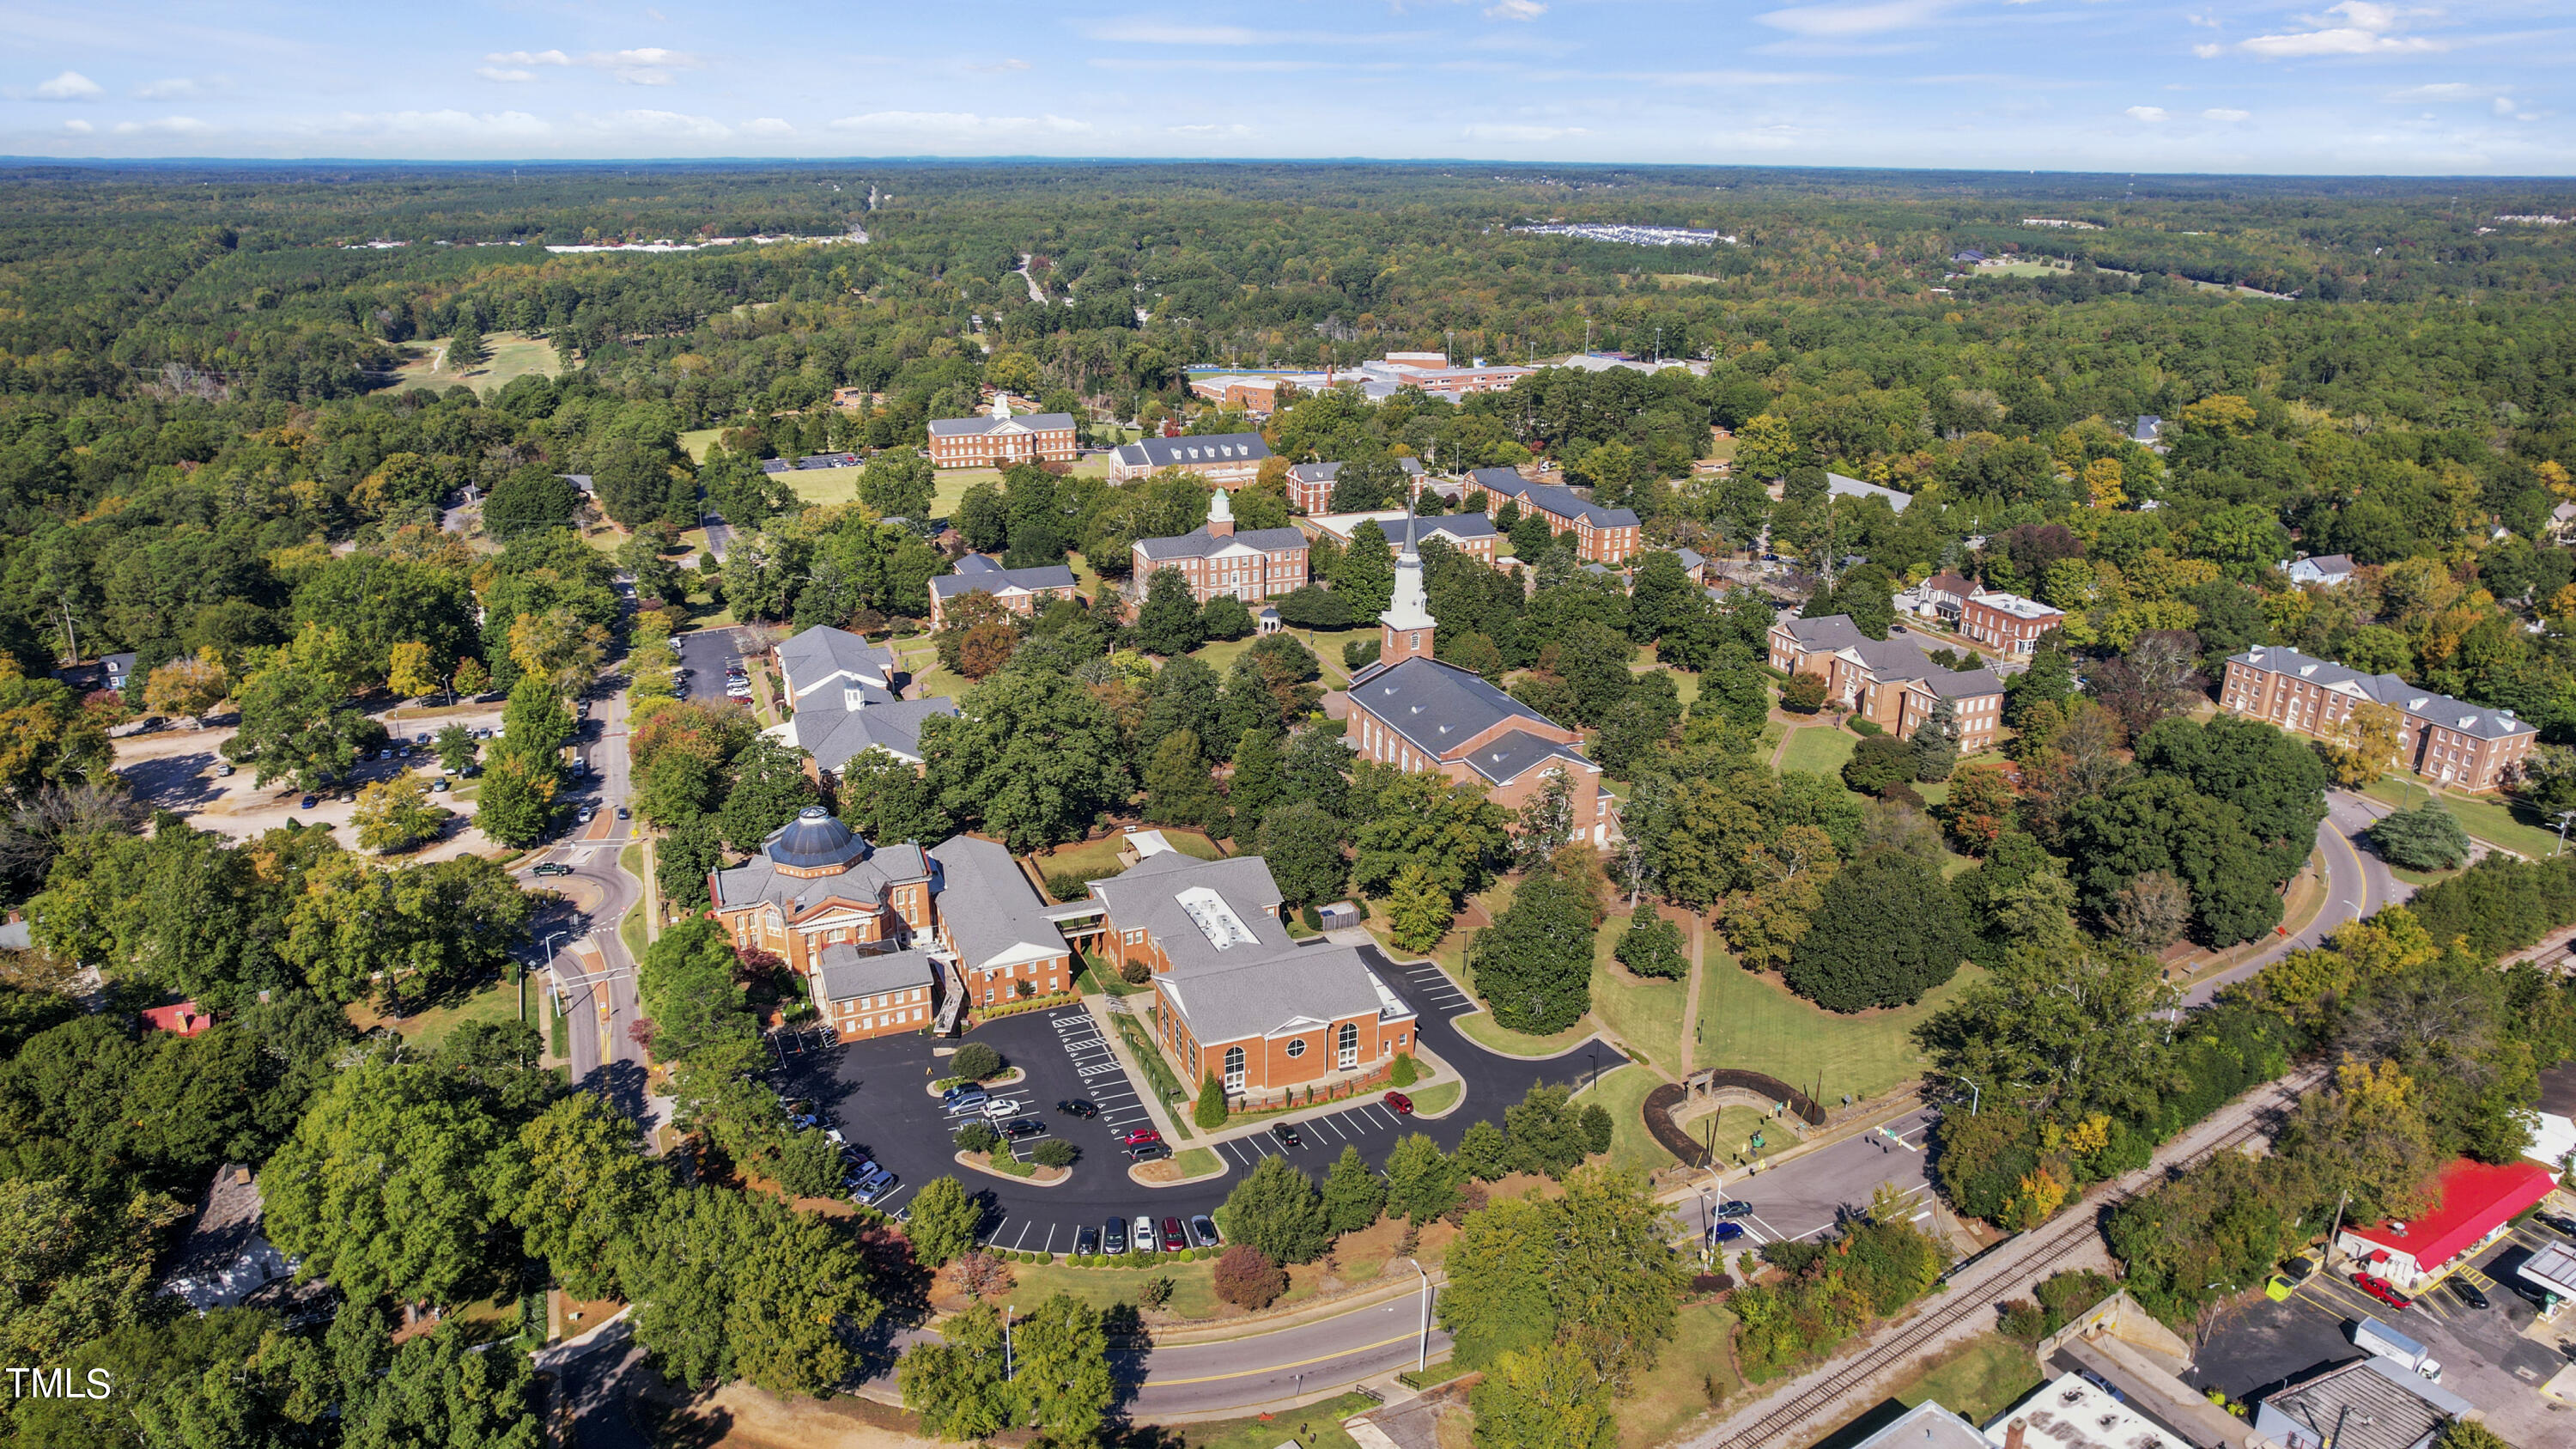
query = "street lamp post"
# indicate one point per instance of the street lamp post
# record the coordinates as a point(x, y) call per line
point(1007, 1370)
point(1422, 1359)
point(2563, 817)
point(1976, 1094)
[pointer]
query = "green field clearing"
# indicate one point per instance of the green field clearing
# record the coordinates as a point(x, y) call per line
point(498, 1001)
point(1643, 1012)
point(2021, 269)
point(696, 441)
point(512, 356)
point(1756, 1023)
point(1819, 750)
point(1096, 859)
point(2493, 819)
point(1691, 1362)
point(1622, 1093)
point(1434, 1098)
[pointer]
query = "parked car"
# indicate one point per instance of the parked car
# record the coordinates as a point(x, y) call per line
point(1285, 1135)
point(2381, 1289)
point(1149, 1152)
point(2557, 1223)
point(998, 1108)
point(1023, 1127)
point(438, 786)
point(1076, 1107)
point(1144, 1233)
point(1735, 1208)
point(1134, 1135)
point(2469, 1293)
point(404, 753)
point(1726, 1232)
point(420, 739)
point(1174, 1240)
point(225, 769)
point(964, 1099)
point(1086, 1241)
point(1203, 1231)
point(308, 802)
point(875, 1189)
point(552, 867)
point(1113, 1238)
point(385, 754)
point(587, 812)
point(622, 815)
point(1398, 1103)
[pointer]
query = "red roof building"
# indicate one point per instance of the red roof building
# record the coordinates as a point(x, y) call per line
point(185, 1019)
point(2474, 1202)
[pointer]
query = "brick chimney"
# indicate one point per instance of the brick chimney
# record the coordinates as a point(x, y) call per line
point(2014, 1433)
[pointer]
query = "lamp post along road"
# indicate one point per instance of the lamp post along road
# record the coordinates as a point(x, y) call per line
point(1422, 1359)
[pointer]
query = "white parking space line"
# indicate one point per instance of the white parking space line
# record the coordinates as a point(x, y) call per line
point(1050, 1242)
point(1337, 1131)
point(996, 1232)
point(1022, 1238)
point(886, 1204)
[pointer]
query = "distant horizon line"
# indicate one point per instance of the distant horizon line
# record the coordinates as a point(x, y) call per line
point(2411, 178)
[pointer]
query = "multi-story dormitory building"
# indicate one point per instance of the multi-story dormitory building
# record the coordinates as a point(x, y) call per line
point(2449, 741)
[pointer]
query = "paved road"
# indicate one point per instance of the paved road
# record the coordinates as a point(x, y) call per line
point(1807, 1195)
point(2357, 883)
point(719, 535)
point(1246, 1375)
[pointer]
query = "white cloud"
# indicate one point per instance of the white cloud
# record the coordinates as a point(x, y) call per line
point(1519, 133)
point(166, 126)
point(528, 57)
point(649, 65)
point(449, 123)
point(71, 85)
point(2364, 31)
point(1515, 10)
point(1872, 18)
point(496, 73)
point(658, 123)
point(175, 89)
point(1210, 129)
point(2441, 91)
point(960, 124)
point(2145, 113)
point(1010, 63)
point(2225, 113)
point(2209, 52)
point(768, 126)
point(78, 127)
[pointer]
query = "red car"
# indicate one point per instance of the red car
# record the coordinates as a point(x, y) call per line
point(2381, 1289)
point(1139, 1137)
point(1173, 1239)
point(1400, 1104)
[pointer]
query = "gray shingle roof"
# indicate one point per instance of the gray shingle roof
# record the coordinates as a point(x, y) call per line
point(977, 427)
point(1837, 484)
point(1834, 631)
point(1199, 543)
point(1214, 448)
point(1563, 502)
point(1148, 895)
point(814, 656)
point(1891, 659)
point(975, 571)
point(2439, 709)
point(1517, 753)
point(986, 906)
point(848, 972)
point(1300, 989)
point(1438, 707)
point(866, 880)
point(1458, 526)
point(835, 735)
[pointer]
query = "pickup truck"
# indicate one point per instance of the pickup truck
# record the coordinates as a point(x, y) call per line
point(2372, 1336)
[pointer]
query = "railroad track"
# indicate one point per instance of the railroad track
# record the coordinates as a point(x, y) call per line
point(2046, 1247)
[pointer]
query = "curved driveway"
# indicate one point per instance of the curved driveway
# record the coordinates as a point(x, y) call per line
point(2357, 884)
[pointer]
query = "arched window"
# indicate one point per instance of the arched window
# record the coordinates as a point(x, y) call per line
point(1234, 1069)
point(1347, 1045)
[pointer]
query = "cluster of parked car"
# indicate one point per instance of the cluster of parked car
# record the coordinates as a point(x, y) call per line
point(1118, 1237)
point(737, 682)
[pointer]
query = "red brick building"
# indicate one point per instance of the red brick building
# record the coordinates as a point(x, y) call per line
point(1001, 440)
point(1601, 535)
point(2443, 739)
point(1216, 559)
point(1228, 460)
point(2007, 623)
point(1888, 681)
point(1022, 591)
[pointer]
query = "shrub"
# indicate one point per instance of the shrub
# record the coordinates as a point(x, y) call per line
point(1054, 1152)
point(1404, 1073)
point(1803, 693)
point(1863, 726)
point(977, 1137)
point(2024, 1321)
point(1155, 1293)
point(1247, 1279)
point(1136, 973)
point(2426, 838)
point(1711, 1282)
point(1067, 887)
point(977, 1060)
point(1210, 1111)
point(1652, 946)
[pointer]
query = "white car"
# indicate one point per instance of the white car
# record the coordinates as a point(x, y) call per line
point(1001, 1107)
point(1144, 1233)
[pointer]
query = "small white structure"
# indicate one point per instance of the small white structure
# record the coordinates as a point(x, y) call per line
point(2329, 570)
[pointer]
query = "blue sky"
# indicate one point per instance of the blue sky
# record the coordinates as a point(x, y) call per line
point(2351, 87)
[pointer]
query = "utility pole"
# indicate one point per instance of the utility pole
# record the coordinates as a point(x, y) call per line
point(2563, 817)
point(1007, 1370)
point(1422, 1359)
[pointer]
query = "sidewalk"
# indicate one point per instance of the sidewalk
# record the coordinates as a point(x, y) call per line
point(1832, 1133)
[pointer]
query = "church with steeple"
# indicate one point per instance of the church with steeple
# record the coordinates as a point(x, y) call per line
point(1217, 558)
point(1414, 712)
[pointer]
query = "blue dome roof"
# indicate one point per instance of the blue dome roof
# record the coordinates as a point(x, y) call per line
point(814, 839)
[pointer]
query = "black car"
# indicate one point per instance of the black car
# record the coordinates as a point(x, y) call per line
point(1087, 1241)
point(1022, 1127)
point(2468, 1293)
point(1077, 1108)
point(1734, 1208)
point(1114, 1237)
point(1285, 1135)
point(2556, 1223)
point(1149, 1152)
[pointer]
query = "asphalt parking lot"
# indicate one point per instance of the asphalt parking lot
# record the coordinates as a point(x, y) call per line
point(875, 1092)
point(706, 654)
point(2485, 1357)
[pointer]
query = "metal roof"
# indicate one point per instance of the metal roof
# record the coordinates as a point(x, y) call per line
point(1437, 707)
point(986, 905)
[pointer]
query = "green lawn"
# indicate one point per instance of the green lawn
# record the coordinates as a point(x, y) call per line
point(1097, 859)
point(1735, 1130)
point(1641, 1011)
point(2493, 819)
point(512, 356)
point(1693, 1363)
point(1754, 1022)
point(696, 441)
point(1323, 1419)
point(1220, 656)
point(1327, 644)
point(1193, 1287)
point(1977, 1379)
point(1196, 1160)
point(1436, 1097)
point(1622, 1093)
point(498, 1001)
point(1819, 750)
